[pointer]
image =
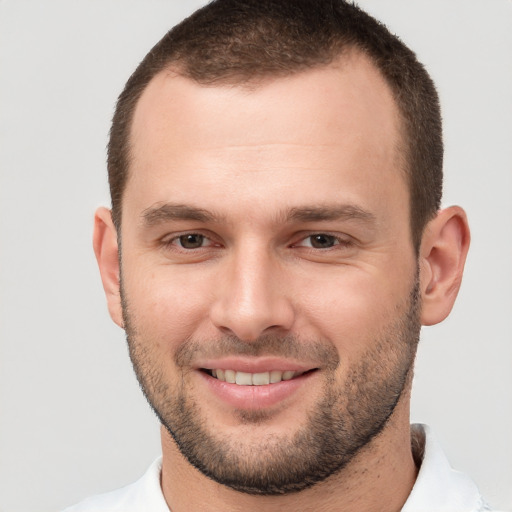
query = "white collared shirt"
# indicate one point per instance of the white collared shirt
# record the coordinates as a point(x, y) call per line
point(438, 488)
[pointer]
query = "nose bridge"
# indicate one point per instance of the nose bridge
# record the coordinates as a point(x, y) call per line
point(250, 299)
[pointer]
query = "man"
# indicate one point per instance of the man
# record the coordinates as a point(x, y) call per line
point(274, 245)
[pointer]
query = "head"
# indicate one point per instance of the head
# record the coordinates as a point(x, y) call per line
point(275, 170)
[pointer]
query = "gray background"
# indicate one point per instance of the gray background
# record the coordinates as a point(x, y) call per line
point(72, 419)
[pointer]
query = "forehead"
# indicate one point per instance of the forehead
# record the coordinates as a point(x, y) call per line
point(329, 122)
point(351, 86)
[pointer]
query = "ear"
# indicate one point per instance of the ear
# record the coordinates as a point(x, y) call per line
point(443, 251)
point(107, 255)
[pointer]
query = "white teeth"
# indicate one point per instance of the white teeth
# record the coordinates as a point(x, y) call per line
point(243, 379)
point(230, 376)
point(260, 379)
point(276, 376)
point(254, 379)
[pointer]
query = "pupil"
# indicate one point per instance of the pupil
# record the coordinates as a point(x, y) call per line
point(322, 241)
point(192, 241)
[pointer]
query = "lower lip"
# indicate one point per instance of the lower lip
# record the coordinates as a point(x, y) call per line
point(255, 397)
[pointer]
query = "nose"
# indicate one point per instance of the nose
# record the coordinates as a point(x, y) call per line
point(251, 297)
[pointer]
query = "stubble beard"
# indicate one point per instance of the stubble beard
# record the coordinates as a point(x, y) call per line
point(344, 420)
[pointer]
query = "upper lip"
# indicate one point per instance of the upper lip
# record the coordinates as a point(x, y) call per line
point(254, 365)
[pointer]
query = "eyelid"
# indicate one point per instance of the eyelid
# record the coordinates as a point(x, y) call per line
point(341, 239)
point(169, 240)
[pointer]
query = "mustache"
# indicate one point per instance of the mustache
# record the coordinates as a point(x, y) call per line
point(316, 352)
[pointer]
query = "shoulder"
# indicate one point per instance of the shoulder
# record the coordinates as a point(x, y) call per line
point(144, 494)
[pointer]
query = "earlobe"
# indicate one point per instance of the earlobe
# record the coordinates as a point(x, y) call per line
point(107, 255)
point(443, 253)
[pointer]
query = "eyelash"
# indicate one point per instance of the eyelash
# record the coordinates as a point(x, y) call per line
point(337, 241)
point(173, 242)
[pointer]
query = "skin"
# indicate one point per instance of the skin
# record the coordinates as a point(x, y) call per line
point(326, 137)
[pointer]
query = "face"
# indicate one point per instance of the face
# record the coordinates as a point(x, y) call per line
point(269, 282)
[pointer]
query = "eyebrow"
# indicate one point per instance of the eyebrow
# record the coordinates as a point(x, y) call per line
point(326, 213)
point(165, 212)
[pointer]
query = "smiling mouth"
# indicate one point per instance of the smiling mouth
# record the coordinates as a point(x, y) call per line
point(254, 379)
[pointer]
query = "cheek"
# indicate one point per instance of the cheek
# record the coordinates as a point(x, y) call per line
point(166, 305)
point(352, 307)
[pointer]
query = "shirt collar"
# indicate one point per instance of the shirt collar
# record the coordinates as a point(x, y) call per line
point(438, 487)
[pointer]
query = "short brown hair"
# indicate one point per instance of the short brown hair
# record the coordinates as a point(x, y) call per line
point(236, 41)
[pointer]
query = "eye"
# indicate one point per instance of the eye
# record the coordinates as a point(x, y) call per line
point(321, 241)
point(190, 246)
point(188, 241)
point(191, 241)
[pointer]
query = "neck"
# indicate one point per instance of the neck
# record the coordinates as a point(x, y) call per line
point(378, 479)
